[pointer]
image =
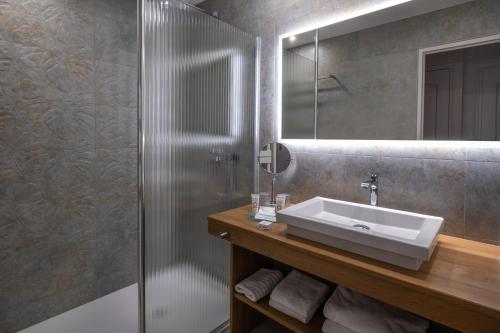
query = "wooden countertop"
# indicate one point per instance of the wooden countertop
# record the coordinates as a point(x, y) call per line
point(458, 287)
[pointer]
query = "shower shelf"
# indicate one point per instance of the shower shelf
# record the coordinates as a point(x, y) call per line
point(458, 287)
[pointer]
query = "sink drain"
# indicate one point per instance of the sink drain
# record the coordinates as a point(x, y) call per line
point(361, 226)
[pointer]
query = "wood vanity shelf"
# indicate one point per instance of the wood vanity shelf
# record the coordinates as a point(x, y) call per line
point(459, 287)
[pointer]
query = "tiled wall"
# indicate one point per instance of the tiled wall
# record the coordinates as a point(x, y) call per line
point(459, 182)
point(67, 155)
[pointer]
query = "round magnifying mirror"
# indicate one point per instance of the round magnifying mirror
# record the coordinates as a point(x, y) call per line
point(274, 158)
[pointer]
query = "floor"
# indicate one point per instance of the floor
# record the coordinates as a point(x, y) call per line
point(113, 313)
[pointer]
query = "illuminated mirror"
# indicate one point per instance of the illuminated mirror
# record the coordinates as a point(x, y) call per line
point(394, 72)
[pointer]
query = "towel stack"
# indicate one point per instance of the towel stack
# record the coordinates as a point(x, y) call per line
point(298, 296)
point(348, 312)
point(259, 284)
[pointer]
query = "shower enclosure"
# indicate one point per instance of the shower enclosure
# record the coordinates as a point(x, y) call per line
point(197, 123)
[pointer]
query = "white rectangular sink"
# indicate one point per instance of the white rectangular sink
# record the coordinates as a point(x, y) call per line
point(401, 238)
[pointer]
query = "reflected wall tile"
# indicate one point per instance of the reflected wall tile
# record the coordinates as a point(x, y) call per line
point(482, 195)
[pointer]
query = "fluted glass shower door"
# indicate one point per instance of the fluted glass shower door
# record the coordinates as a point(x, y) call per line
point(197, 124)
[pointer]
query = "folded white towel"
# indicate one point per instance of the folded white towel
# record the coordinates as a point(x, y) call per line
point(361, 313)
point(298, 296)
point(332, 327)
point(259, 284)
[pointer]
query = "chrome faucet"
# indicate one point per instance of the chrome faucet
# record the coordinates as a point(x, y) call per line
point(372, 185)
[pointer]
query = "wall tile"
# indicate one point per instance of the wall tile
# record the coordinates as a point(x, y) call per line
point(117, 261)
point(482, 195)
point(117, 8)
point(267, 127)
point(33, 72)
point(116, 219)
point(116, 85)
point(434, 187)
point(51, 24)
point(67, 236)
point(268, 81)
point(116, 41)
point(116, 127)
point(48, 242)
point(54, 124)
point(116, 171)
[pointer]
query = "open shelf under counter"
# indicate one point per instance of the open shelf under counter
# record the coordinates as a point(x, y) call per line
point(458, 287)
point(262, 306)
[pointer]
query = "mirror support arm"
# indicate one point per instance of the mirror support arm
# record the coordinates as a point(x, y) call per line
point(273, 190)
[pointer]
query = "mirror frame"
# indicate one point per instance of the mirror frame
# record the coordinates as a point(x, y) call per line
point(371, 16)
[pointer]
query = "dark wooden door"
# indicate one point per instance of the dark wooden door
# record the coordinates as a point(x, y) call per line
point(482, 93)
point(462, 94)
point(443, 96)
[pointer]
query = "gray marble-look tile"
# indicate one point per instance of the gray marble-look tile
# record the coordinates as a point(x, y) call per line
point(33, 72)
point(48, 236)
point(116, 41)
point(423, 186)
point(8, 123)
point(267, 125)
point(482, 195)
point(116, 8)
point(49, 184)
point(50, 278)
point(116, 172)
point(326, 175)
point(116, 219)
point(54, 124)
point(116, 243)
point(51, 24)
point(433, 187)
point(267, 81)
point(116, 85)
point(483, 152)
point(116, 127)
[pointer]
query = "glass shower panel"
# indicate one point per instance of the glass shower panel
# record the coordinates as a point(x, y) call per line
point(197, 121)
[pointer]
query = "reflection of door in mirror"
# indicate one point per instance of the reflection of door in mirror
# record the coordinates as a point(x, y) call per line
point(298, 93)
point(462, 94)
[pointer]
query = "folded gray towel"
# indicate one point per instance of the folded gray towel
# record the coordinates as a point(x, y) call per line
point(298, 296)
point(259, 284)
point(361, 313)
point(332, 327)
